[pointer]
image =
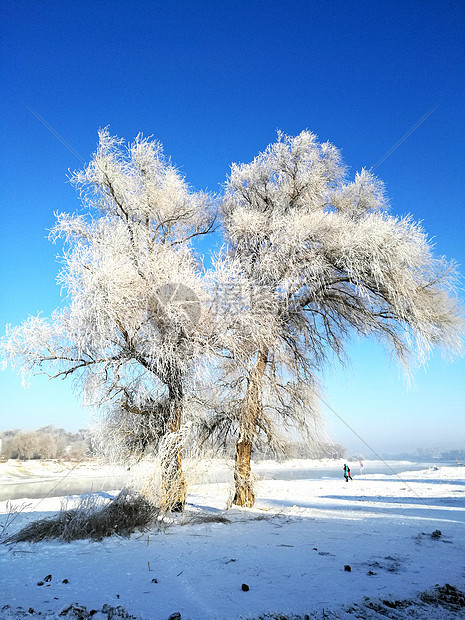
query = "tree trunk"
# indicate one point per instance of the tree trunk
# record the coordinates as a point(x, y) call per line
point(244, 495)
point(174, 488)
point(173, 495)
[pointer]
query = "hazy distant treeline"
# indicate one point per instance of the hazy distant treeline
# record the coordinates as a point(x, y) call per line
point(294, 450)
point(50, 442)
point(454, 455)
point(314, 450)
point(47, 442)
point(423, 454)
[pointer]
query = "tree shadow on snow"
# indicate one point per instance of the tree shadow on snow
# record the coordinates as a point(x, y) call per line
point(411, 507)
point(415, 481)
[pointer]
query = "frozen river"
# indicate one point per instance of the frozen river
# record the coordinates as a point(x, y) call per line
point(54, 486)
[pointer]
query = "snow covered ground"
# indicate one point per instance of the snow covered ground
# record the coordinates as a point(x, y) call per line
point(312, 547)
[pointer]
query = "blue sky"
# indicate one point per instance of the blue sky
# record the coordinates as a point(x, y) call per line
point(213, 81)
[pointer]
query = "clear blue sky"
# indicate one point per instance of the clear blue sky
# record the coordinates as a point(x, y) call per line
point(213, 81)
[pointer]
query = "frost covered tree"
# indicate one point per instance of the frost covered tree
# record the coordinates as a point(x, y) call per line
point(314, 258)
point(132, 330)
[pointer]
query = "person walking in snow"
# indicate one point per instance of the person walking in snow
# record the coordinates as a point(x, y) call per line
point(346, 472)
point(361, 468)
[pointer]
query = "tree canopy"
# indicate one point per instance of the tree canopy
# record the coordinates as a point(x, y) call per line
point(310, 257)
point(324, 259)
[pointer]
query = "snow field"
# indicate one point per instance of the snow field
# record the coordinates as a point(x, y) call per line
point(290, 549)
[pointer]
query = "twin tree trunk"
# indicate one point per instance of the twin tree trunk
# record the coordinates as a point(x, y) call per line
point(174, 488)
point(244, 495)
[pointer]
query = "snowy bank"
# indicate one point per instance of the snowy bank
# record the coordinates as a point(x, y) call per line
point(293, 550)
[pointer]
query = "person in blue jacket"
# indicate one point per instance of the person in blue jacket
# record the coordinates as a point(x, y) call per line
point(346, 470)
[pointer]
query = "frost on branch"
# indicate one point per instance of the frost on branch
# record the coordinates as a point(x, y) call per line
point(166, 350)
point(138, 185)
point(324, 258)
point(133, 329)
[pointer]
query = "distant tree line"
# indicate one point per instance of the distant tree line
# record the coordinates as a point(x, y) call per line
point(454, 455)
point(303, 450)
point(47, 442)
point(435, 454)
point(316, 450)
point(288, 450)
point(441, 455)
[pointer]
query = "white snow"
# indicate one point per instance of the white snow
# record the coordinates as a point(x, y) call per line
point(290, 549)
